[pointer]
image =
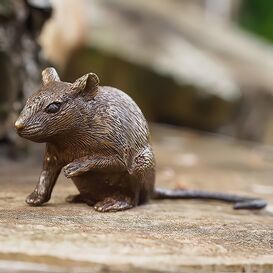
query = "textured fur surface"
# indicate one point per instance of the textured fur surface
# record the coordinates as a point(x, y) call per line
point(101, 139)
point(99, 135)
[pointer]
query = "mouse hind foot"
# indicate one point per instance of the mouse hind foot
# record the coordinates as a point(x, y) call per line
point(114, 204)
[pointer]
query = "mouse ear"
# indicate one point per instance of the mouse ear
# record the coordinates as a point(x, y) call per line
point(50, 75)
point(87, 85)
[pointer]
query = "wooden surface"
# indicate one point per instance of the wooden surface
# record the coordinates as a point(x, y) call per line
point(163, 236)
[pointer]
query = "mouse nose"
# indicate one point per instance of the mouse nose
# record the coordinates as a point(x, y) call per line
point(19, 125)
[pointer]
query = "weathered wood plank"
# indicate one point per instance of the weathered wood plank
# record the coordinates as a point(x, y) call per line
point(163, 236)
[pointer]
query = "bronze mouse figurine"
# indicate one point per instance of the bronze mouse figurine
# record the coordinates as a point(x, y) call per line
point(100, 137)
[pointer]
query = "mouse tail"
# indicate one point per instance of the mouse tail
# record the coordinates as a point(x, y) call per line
point(239, 201)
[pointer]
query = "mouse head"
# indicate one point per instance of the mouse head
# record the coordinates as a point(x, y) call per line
point(55, 109)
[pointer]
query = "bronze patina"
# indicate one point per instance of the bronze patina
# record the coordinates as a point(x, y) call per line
point(100, 137)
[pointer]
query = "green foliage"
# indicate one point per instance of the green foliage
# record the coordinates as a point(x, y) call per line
point(257, 16)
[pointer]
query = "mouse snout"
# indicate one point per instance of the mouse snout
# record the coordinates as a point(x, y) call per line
point(19, 124)
point(22, 121)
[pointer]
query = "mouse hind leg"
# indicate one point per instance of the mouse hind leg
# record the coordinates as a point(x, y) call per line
point(114, 203)
point(138, 191)
point(143, 171)
point(106, 192)
point(108, 204)
point(121, 195)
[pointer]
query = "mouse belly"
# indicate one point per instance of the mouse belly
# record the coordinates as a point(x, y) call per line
point(96, 186)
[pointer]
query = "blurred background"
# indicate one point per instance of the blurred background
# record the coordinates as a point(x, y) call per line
point(200, 64)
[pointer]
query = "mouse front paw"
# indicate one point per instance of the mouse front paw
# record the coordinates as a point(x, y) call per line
point(36, 199)
point(70, 170)
point(74, 169)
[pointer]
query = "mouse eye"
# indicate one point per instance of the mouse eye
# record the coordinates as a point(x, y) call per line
point(53, 107)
